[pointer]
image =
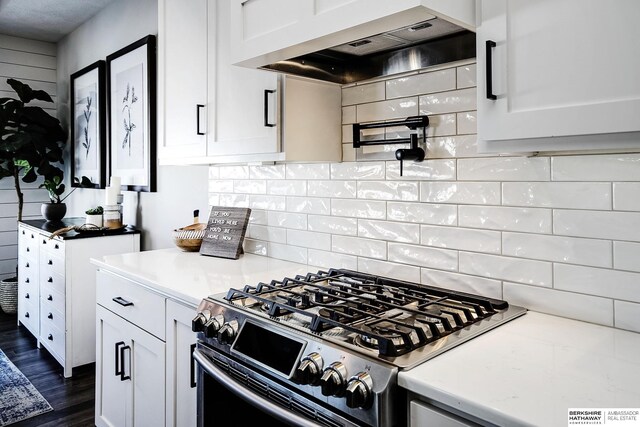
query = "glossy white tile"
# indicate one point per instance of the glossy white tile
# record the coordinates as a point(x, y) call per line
point(348, 153)
point(597, 281)
point(558, 248)
point(571, 195)
point(362, 171)
point(424, 213)
point(234, 200)
point(267, 172)
point(349, 115)
point(468, 239)
point(529, 220)
point(627, 315)
point(359, 246)
point(312, 205)
point(287, 253)
point(504, 169)
point(359, 208)
point(267, 234)
point(453, 146)
point(441, 125)
point(388, 190)
point(274, 203)
point(611, 167)
point(626, 196)
point(214, 199)
point(389, 269)
point(333, 224)
point(325, 259)
point(566, 304)
point(220, 186)
point(467, 122)
point(347, 135)
point(626, 256)
point(466, 76)
point(250, 186)
point(597, 224)
point(287, 187)
point(309, 239)
point(214, 172)
point(361, 94)
point(255, 247)
point(539, 273)
point(477, 193)
point(387, 230)
point(307, 171)
point(461, 282)
point(387, 110)
point(258, 217)
point(286, 220)
point(233, 172)
point(426, 170)
point(334, 188)
point(435, 81)
point(448, 102)
point(441, 259)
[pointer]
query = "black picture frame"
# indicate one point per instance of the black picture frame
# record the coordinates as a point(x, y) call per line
point(131, 79)
point(88, 110)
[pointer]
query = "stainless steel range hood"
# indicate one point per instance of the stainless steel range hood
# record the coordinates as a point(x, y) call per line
point(427, 43)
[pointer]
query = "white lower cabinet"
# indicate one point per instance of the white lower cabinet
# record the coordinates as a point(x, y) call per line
point(424, 414)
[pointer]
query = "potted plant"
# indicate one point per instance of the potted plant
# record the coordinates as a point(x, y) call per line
point(56, 209)
point(94, 216)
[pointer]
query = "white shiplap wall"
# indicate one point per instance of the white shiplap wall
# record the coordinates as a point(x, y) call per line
point(558, 234)
point(34, 63)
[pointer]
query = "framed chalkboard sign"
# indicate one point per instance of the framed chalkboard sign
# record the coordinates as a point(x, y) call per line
point(225, 231)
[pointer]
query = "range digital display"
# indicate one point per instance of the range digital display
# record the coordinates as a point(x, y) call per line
point(268, 348)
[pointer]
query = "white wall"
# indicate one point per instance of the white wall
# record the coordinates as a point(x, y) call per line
point(559, 234)
point(34, 63)
point(156, 214)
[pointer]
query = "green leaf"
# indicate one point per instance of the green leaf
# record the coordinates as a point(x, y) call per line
point(26, 94)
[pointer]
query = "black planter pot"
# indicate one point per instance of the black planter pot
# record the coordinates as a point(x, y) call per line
point(53, 211)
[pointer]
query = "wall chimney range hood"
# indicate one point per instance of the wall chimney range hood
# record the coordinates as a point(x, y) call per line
point(423, 44)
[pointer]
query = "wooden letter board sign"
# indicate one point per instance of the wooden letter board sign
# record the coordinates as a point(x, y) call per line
point(225, 232)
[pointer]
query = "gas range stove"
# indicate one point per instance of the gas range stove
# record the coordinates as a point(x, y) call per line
point(337, 338)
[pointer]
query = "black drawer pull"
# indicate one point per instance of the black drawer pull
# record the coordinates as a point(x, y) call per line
point(50, 337)
point(27, 295)
point(26, 314)
point(198, 107)
point(50, 280)
point(26, 265)
point(26, 280)
point(123, 302)
point(56, 246)
point(44, 241)
point(489, 45)
point(23, 232)
point(50, 316)
point(50, 298)
point(50, 262)
point(192, 369)
point(28, 250)
point(118, 344)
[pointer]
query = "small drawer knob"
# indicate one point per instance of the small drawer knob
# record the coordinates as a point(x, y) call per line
point(26, 314)
point(50, 298)
point(50, 262)
point(26, 295)
point(50, 337)
point(50, 316)
point(50, 280)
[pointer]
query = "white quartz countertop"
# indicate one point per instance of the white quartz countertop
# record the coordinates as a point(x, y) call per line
point(189, 277)
point(531, 370)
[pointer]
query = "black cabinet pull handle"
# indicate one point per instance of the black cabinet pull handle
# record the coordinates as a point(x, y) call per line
point(123, 302)
point(23, 232)
point(44, 242)
point(50, 337)
point(27, 295)
point(50, 280)
point(28, 250)
point(489, 45)
point(124, 377)
point(198, 107)
point(193, 368)
point(32, 236)
point(117, 358)
point(50, 262)
point(26, 265)
point(26, 280)
point(26, 314)
point(50, 298)
point(50, 316)
point(56, 246)
point(266, 108)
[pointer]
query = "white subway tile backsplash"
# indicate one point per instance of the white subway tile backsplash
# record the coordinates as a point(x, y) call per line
point(326, 260)
point(442, 125)
point(214, 172)
point(359, 208)
point(425, 170)
point(361, 94)
point(526, 220)
point(267, 172)
point(391, 231)
point(558, 248)
point(626, 196)
point(312, 205)
point(359, 171)
point(461, 282)
point(566, 304)
point(214, 199)
point(467, 239)
point(309, 239)
point(287, 253)
point(448, 102)
point(307, 171)
point(255, 247)
point(359, 246)
point(626, 256)
point(389, 269)
point(220, 186)
point(349, 115)
point(539, 273)
point(440, 259)
point(571, 195)
point(453, 146)
point(466, 76)
point(288, 187)
point(597, 224)
point(233, 172)
point(258, 217)
point(611, 167)
point(424, 213)
point(267, 234)
point(338, 189)
point(627, 315)
point(274, 203)
point(478, 193)
point(467, 122)
point(504, 169)
point(254, 186)
point(286, 220)
point(348, 153)
point(386, 110)
point(234, 200)
point(347, 137)
point(388, 190)
point(597, 281)
point(333, 224)
point(436, 81)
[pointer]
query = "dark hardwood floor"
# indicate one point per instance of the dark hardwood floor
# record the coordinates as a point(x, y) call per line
point(72, 399)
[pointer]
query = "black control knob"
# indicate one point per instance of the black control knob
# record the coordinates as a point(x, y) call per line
point(198, 322)
point(358, 393)
point(212, 326)
point(309, 370)
point(333, 380)
point(227, 332)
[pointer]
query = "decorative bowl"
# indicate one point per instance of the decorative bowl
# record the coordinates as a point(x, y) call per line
point(189, 238)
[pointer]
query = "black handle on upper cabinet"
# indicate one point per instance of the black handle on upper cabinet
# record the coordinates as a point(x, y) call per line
point(124, 377)
point(266, 108)
point(489, 45)
point(198, 107)
point(193, 368)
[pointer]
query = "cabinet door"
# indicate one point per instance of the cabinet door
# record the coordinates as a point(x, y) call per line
point(559, 68)
point(182, 51)
point(181, 391)
point(422, 414)
point(246, 100)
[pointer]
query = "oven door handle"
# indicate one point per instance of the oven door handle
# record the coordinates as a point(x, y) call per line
point(250, 396)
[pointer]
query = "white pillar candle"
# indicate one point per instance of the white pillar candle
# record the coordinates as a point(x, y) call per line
point(111, 196)
point(116, 182)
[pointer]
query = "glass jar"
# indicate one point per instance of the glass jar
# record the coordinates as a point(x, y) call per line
point(112, 216)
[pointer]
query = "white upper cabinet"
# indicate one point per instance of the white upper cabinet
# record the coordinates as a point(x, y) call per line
point(267, 31)
point(558, 68)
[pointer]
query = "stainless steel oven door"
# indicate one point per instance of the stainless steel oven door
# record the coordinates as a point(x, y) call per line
point(231, 394)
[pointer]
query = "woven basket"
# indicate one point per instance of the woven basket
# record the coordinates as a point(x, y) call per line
point(9, 295)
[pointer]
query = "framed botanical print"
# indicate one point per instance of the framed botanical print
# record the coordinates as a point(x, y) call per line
point(131, 82)
point(88, 127)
